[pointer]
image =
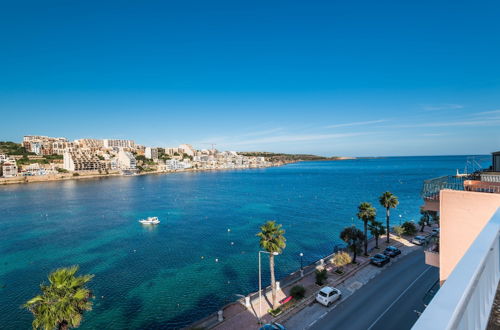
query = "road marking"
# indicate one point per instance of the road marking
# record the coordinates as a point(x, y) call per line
point(399, 297)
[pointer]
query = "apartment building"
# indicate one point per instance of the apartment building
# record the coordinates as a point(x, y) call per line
point(9, 169)
point(41, 145)
point(108, 143)
point(467, 251)
point(126, 161)
point(151, 153)
point(82, 161)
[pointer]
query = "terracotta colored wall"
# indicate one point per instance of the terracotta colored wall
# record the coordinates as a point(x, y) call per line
point(463, 215)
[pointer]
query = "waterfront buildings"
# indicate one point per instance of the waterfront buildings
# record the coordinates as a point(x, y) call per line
point(52, 155)
point(82, 161)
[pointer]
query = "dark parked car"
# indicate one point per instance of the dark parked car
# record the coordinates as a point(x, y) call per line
point(379, 260)
point(272, 326)
point(392, 251)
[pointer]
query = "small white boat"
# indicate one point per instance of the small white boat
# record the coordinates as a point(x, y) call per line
point(150, 221)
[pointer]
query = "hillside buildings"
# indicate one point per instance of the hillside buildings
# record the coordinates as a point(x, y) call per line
point(50, 155)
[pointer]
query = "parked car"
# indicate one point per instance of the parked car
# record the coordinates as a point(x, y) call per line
point(272, 326)
point(328, 295)
point(435, 232)
point(379, 260)
point(419, 240)
point(392, 251)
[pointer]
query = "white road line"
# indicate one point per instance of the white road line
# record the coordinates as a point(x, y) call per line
point(399, 297)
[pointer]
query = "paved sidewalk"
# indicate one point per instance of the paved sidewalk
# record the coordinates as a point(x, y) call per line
point(237, 316)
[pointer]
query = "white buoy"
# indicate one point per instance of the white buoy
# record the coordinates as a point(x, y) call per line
point(232, 243)
point(216, 260)
point(228, 230)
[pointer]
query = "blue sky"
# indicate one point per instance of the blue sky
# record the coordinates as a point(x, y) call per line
point(354, 78)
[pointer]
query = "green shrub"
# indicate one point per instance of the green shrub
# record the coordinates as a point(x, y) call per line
point(76, 174)
point(298, 292)
point(321, 276)
point(409, 228)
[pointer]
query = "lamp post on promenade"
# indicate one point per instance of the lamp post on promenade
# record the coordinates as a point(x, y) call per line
point(260, 284)
point(301, 265)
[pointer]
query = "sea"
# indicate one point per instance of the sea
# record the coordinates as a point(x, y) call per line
point(204, 253)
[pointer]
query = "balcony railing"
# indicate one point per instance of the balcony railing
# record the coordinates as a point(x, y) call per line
point(466, 298)
point(431, 187)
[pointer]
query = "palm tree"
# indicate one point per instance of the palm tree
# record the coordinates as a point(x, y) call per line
point(62, 302)
point(376, 229)
point(425, 219)
point(388, 201)
point(273, 241)
point(353, 237)
point(366, 212)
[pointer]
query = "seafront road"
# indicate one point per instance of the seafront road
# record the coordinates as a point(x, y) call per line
point(391, 300)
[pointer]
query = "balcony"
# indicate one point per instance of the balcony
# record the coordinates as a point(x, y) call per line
point(431, 188)
point(432, 252)
point(466, 299)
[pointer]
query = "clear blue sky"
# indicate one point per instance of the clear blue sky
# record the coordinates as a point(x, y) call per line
point(352, 78)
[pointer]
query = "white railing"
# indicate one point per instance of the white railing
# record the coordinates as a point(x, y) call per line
point(466, 298)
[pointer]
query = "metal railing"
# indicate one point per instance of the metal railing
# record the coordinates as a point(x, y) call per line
point(431, 187)
point(466, 298)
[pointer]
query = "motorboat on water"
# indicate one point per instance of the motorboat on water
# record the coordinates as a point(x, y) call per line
point(150, 221)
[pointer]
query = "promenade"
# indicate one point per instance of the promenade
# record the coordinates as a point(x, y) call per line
point(238, 315)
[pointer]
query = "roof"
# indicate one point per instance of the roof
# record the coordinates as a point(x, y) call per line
point(327, 289)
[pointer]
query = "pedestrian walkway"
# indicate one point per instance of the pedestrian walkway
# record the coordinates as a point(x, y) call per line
point(238, 316)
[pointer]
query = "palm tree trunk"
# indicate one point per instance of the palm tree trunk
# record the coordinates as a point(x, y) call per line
point(388, 228)
point(354, 253)
point(366, 238)
point(273, 280)
point(376, 241)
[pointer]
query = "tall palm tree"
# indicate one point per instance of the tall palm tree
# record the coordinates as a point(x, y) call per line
point(366, 212)
point(376, 229)
point(425, 219)
point(388, 201)
point(273, 241)
point(62, 302)
point(353, 237)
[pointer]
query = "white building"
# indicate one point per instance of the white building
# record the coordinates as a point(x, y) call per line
point(126, 161)
point(81, 161)
point(151, 153)
point(174, 164)
point(118, 143)
point(187, 149)
point(9, 169)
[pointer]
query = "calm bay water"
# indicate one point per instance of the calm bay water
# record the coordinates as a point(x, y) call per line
point(167, 276)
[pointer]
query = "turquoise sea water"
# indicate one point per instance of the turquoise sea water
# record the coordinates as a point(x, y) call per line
point(167, 276)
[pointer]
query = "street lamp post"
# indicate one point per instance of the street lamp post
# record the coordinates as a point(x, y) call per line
point(260, 284)
point(301, 265)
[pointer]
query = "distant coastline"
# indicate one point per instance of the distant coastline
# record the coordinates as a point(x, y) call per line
point(96, 175)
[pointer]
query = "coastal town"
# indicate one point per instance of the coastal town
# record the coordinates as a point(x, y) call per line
point(40, 158)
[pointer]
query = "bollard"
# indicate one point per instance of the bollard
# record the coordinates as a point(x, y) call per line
point(220, 317)
point(247, 302)
point(277, 286)
point(322, 262)
point(301, 273)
